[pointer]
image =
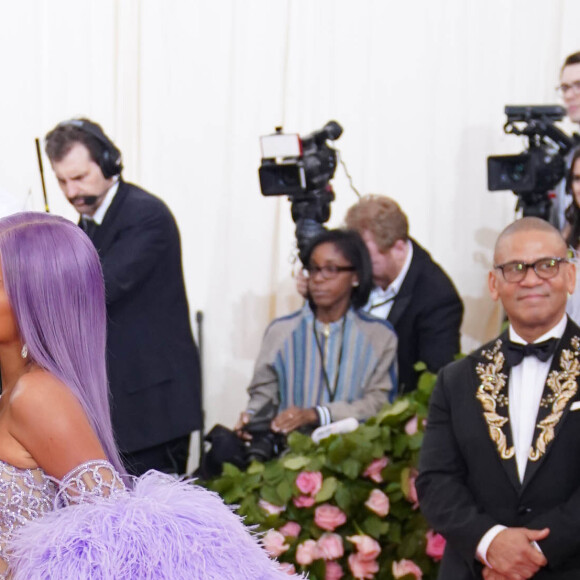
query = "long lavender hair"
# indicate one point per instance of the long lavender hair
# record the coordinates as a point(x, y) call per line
point(54, 282)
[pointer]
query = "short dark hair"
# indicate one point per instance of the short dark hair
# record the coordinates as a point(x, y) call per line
point(350, 244)
point(573, 58)
point(60, 140)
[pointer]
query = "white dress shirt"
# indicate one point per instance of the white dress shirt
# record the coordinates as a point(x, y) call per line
point(525, 388)
point(99, 214)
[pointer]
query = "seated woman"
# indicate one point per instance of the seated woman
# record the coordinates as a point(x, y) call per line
point(65, 511)
point(571, 231)
point(330, 360)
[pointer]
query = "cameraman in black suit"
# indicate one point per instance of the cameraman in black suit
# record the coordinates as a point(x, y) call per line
point(411, 291)
point(153, 362)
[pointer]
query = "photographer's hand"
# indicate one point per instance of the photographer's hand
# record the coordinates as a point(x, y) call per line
point(239, 426)
point(293, 418)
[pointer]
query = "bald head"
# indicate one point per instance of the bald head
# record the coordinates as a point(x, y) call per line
point(536, 301)
point(528, 224)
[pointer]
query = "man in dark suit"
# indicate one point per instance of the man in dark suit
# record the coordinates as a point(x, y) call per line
point(411, 291)
point(499, 475)
point(153, 361)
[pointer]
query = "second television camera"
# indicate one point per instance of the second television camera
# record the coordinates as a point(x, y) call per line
point(301, 168)
point(532, 174)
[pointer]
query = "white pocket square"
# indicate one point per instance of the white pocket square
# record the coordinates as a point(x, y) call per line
point(575, 406)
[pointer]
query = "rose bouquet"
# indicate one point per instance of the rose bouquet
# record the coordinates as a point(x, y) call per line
point(346, 508)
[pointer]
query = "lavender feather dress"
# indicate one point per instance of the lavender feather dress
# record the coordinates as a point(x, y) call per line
point(161, 529)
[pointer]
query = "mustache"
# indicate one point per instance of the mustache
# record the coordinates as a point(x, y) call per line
point(86, 199)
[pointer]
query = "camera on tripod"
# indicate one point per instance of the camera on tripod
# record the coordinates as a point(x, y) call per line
point(532, 174)
point(301, 168)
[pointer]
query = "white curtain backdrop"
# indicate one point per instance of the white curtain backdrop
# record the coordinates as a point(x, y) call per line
point(186, 87)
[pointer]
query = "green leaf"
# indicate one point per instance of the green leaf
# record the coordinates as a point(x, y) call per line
point(299, 442)
point(351, 468)
point(284, 491)
point(393, 411)
point(343, 497)
point(273, 472)
point(271, 495)
point(255, 467)
point(375, 527)
point(295, 462)
point(327, 490)
point(231, 470)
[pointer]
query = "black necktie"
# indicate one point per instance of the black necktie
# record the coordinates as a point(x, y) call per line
point(516, 352)
point(90, 227)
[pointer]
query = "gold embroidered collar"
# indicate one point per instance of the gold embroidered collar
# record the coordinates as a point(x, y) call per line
point(561, 386)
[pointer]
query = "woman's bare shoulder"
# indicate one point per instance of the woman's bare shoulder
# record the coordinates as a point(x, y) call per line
point(39, 392)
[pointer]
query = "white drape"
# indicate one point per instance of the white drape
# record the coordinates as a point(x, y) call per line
point(186, 88)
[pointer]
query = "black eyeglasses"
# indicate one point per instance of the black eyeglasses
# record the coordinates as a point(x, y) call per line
point(328, 272)
point(545, 268)
point(564, 88)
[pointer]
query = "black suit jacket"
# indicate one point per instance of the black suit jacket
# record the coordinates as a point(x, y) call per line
point(426, 315)
point(152, 359)
point(468, 478)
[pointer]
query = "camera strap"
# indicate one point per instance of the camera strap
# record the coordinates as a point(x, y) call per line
point(379, 304)
point(331, 392)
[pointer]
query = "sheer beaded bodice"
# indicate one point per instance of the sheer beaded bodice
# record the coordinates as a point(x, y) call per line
point(27, 494)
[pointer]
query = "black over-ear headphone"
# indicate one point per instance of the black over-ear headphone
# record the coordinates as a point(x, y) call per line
point(109, 160)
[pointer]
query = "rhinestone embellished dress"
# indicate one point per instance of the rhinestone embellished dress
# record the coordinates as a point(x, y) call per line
point(27, 494)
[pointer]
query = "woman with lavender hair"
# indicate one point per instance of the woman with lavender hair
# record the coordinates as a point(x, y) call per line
point(67, 508)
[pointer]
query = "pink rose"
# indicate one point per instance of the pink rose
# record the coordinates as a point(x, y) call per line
point(412, 495)
point(404, 567)
point(287, 568)
point(330, 546)
point(366, 547)
point(303, 501)
point(435, 545)
point(270, 508)
point(411, 426)
point(290, 529)
point(329, 517)
point(378, 502)
point(309, 482)
point(333, 571)
point(307, 552)
point(373, 471)
point(361, 568)
point(274, 543)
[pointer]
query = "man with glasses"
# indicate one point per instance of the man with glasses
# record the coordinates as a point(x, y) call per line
point(569, 92)
point(499, 475)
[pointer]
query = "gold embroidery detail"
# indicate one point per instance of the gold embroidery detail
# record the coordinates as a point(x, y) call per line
point(490, 395)
point(563, 387)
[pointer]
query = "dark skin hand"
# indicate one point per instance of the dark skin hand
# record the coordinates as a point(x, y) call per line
point(292, 418)
point(285, 422)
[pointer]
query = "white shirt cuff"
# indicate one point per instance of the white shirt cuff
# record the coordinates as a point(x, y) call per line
point(484, 543)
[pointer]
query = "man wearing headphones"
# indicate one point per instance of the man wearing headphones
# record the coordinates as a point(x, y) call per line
point(153, 363)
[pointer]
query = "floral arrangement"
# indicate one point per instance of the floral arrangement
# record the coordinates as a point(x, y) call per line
point(346, 508)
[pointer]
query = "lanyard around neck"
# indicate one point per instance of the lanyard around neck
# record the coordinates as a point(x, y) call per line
point(331, 392)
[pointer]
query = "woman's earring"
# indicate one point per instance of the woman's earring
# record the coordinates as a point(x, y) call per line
point(24, 351)
point(355, 284)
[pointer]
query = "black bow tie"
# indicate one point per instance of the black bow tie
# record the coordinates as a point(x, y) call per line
point(516, 352)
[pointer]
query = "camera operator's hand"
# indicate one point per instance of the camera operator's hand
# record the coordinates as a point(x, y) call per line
point(293, 418)
point(302, 283)
point(239, 426)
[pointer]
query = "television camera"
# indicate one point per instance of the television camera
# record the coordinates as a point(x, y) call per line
point(533, 173)
point(301, 168)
